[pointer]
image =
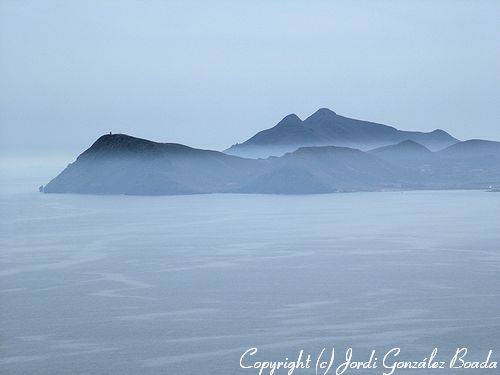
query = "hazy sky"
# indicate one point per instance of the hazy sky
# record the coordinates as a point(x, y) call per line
point(209, 74)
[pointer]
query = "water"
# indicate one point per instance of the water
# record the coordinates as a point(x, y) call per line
point(186, 284)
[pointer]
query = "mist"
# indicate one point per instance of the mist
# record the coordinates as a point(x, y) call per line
point(211, 77)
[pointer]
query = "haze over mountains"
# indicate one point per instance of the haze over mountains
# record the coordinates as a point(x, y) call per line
point(324, 153)
point(121, 164)
point(326, 128)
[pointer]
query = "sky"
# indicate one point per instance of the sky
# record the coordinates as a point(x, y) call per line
point(210, 74)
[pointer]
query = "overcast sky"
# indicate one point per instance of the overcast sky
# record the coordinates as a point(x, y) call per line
point(212, 75)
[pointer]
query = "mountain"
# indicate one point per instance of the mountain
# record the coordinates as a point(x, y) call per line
point(121, 164)
point(407, 153)
point(287, 131)
point(472, 163)
point(327, 169)
point(410, 148)
point(472, 148)
point(326, 128)
point(468, 164)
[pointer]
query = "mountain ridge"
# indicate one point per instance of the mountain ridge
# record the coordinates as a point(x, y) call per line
point(122, 164)
point(325, 127)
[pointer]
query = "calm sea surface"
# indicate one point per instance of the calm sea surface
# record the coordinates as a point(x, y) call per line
point(184, 285)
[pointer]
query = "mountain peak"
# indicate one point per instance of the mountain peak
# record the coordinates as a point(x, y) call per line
point(116, 145)
point(411, 144)
point(472, 146)
point(438, 131)
point(407, 146)
point(289, 120)
point(323, 112)
point(118, 141)
point(326, 128)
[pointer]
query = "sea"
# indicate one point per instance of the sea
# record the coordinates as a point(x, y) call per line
point(234, 284)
